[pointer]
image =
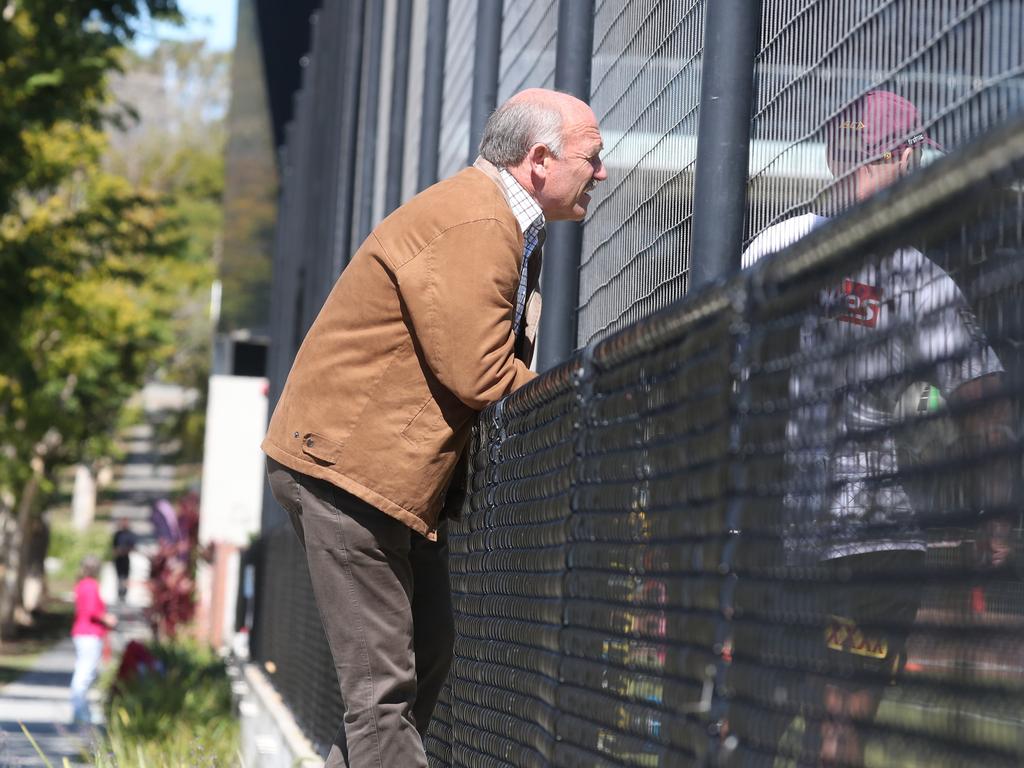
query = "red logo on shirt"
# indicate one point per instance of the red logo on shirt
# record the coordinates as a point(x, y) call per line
point(859, 304)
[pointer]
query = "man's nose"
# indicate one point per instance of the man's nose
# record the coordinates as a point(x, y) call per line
point(601, 173)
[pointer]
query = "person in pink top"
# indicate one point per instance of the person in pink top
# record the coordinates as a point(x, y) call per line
point(92, 622)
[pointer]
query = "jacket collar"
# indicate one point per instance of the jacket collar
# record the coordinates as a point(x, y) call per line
point(490, 170)
point(524, 206)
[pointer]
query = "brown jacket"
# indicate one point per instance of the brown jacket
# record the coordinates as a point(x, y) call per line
point(414, 339)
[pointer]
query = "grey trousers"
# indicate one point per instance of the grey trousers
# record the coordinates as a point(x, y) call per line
point(385, 603)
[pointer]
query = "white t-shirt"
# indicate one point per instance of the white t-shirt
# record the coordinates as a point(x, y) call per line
point(894, 321)
point(778, 236)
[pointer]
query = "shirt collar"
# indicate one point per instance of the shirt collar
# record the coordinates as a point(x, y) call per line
point(526, 210)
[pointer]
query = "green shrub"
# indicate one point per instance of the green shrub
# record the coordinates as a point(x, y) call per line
point(180, 718)
point(70, 546)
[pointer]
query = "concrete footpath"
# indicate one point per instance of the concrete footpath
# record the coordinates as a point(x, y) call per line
point(40, 699)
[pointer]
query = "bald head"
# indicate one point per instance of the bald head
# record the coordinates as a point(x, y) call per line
point(565, 104)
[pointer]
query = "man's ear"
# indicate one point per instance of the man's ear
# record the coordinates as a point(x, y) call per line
point(538, 156)
point(906, 155)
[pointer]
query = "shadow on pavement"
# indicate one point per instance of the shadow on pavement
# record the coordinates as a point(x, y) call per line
point(34, 677)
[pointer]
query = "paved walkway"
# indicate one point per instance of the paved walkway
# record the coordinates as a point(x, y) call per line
point(40, 698)
point(41, 701)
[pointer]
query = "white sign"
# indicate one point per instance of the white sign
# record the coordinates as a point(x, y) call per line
point(233, 464)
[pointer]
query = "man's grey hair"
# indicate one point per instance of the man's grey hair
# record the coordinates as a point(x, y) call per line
point(516, 126)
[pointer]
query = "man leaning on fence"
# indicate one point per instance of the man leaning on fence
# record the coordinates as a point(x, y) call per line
point(849, 512)
point(433, 319)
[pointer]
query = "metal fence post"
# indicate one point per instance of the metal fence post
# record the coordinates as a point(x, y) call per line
point(561, 268)
point(723, 140)
point(433, 92)
point(486, 69)
point(399, 99)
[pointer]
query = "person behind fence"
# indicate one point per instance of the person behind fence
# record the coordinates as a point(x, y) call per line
point(895, 329)
point(92, 622)
point(433, 320)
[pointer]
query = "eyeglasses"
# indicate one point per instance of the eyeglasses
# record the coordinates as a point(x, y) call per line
point(849, 156)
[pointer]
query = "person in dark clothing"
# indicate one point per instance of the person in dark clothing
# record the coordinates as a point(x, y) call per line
point(124, 543)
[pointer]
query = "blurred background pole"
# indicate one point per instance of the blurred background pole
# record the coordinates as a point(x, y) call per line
point(433, 92)
point(399, 101)
point(371, 116)
point(486, 69)
point(726, 97)
point(349, 139)
point(561, 269)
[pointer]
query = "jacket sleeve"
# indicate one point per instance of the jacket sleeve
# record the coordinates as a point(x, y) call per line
point(459, 295)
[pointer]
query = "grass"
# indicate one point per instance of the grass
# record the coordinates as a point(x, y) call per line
point(180, 718)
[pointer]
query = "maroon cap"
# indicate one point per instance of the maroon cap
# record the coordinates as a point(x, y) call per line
point(874, 127)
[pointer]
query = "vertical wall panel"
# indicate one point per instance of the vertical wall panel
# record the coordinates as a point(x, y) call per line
point(387, 75)
point(458, 87)
point(414, 108)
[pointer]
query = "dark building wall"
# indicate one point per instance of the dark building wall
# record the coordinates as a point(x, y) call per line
point(284, 35)
point(273, 41)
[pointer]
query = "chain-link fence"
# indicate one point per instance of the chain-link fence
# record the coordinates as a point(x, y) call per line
point(646, 95)
point(288, 638)
point(958, 63)
point(647, 563)
point(778, 522)
point(529, 31)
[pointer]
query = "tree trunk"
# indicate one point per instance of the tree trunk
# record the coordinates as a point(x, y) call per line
point(10, 592)
point(32, 584)
point(83, 498)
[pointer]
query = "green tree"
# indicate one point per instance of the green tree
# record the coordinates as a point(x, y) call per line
point(55, 60)
point(99, 273)
point(108, 268)
point(175, 146)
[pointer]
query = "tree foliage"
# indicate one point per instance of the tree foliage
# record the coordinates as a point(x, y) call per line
point(55, 58)
point(105, 266)
point(106, 252)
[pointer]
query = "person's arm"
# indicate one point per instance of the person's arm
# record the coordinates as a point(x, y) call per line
point(971, 377)
point(459, 293)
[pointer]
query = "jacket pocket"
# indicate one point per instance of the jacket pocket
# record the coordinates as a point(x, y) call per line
point(321, 449)
point(430, 425)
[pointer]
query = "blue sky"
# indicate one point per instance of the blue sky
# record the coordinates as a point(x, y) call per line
point(213, 20)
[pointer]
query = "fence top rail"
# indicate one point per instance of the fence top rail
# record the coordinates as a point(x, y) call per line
point(543, 389)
